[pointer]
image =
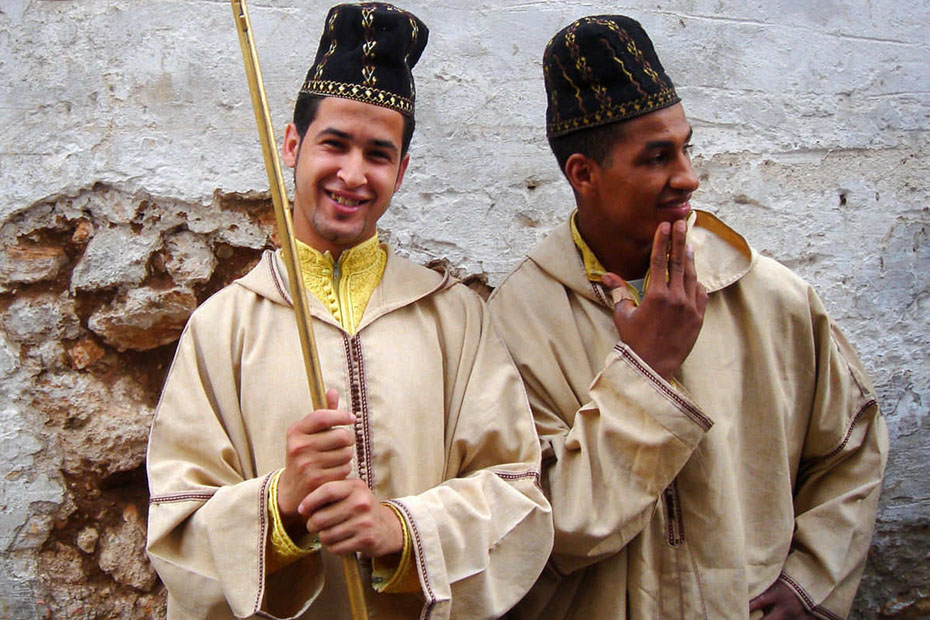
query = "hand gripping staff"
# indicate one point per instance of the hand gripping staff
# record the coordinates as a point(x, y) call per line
point(289, 249)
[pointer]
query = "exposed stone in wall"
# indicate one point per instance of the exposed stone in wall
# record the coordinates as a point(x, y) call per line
point(95, 288)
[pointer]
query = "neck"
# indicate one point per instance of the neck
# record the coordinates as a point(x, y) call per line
point(628, 258)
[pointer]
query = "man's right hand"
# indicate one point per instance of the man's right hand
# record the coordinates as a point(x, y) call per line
point(663, 329)
point(316, 453)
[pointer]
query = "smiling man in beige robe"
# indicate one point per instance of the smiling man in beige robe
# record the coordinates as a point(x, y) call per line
point(425, 464)
point(711, 445)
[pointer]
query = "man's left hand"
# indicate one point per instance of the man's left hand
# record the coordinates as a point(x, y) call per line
point(348, 518)
point(780, 602)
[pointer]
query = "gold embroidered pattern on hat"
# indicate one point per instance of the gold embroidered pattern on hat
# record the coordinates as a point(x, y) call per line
point(332, 47)
point(359, 93)
point(618, 112)
point(368, 48)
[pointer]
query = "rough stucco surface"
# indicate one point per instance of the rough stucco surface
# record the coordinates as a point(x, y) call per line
point(133, 187)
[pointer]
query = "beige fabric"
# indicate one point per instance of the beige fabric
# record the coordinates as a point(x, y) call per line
point(764, 460)
point(444, 432)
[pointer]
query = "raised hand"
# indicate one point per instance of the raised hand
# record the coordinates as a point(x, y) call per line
point(316, 453)
point(662, 330)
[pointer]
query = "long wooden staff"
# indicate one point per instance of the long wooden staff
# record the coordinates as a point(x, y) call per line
point(289, 247)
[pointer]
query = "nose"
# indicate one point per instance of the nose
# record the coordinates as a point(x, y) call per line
point(352, 169)
point(685, 179)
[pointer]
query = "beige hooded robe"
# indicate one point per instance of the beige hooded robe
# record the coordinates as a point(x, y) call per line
point(443, 431)
point(764, 462)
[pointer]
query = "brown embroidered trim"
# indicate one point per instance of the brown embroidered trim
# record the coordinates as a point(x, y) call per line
point(181, 497)
point(702, 420)
point(674, 523)
point(277, 280)
point(263, 534)
point(822, 612)
point(869, 403)
point(418, 553)
point(520, 476)
point(599, 294)
point(358, 395)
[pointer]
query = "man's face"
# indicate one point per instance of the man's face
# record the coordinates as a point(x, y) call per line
point(346, 169)
point(646, 179)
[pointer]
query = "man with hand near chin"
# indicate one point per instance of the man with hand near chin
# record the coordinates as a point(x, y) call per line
point(711, 445)
point(425, 462)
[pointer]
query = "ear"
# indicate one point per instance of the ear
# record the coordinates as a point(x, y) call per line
point(401, 171)
point(291, 147)
point(583, 173)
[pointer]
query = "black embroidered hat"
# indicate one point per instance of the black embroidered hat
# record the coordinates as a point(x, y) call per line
point(366, 53)
point(600, 70)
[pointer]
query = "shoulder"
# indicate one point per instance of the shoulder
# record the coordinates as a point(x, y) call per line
point(228, 307)
point(771, 280)
point(527, 288)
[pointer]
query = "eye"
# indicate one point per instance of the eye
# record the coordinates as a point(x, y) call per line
point(380, 155)
point(333, 143)
point(657, 158)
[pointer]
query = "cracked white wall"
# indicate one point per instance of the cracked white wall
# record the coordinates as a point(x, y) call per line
point(811, 134)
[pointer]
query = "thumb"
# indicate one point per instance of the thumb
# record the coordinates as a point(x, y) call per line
point(763, 600)
point(624, 304)
point(332, 399)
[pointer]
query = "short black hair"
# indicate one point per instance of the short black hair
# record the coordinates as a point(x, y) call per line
point(305, 112)
point(595, 143)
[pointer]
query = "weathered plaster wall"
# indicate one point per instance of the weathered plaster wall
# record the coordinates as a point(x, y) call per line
point(133, 187)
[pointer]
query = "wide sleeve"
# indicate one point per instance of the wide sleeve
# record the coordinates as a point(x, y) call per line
point(610, 446)
point(839, 479)
point(208, 520)
point(481, 538)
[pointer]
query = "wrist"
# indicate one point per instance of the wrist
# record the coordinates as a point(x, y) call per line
point(394, 526)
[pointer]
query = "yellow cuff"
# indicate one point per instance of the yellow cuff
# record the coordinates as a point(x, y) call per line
point(283, 550)
point(392, 574)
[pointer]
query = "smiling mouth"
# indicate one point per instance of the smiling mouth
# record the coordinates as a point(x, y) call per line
point(344, 201)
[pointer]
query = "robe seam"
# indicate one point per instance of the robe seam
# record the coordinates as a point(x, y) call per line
point(277, 280)
point(703, 421)
point(852, 425)
point(263, 533)
point(359, 357)
point(806, 598)
point(180, 497)
point(519, 476)
point(421, 561)
point(675, 525)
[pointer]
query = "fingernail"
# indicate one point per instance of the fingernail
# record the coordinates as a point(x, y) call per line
point(689, 251)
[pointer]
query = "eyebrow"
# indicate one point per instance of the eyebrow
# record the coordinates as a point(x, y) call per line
point(661, 144)
point(332, 131)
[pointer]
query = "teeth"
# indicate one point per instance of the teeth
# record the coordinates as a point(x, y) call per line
point(345, 201)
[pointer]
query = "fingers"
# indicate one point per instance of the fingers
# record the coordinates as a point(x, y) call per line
point(689, 278)
point(658, 263)
point(765, 599)
point(676, 257)
point(327, 494)
point(323, 420)
point(332, 399)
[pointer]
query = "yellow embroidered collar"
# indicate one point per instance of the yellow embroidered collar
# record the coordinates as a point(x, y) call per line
point(593, 268)
point(344, 287)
